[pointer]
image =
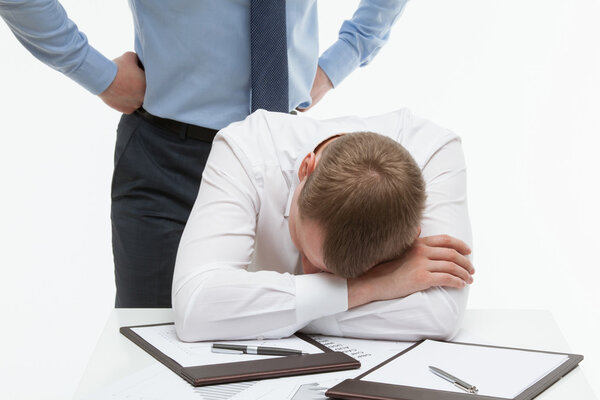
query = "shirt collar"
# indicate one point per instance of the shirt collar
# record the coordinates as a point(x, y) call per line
point(294, 184)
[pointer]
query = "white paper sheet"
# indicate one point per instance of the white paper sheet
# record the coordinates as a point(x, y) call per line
point(495, 372)
point(164, 338)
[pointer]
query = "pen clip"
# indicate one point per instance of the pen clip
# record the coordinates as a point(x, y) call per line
point(226, 351)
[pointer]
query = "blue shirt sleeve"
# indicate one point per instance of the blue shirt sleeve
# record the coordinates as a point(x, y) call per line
point(43, 27)
point(360, 38)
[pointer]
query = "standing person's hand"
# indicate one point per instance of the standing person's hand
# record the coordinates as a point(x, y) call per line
point(320, 87)
point(439, 260)
point(126, 92)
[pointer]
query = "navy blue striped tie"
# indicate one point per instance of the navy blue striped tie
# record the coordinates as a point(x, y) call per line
point(268, 55)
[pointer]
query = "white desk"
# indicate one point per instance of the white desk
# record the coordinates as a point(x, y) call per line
point(116, 356)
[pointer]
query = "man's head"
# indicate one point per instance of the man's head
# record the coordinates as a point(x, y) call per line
point(359, 203)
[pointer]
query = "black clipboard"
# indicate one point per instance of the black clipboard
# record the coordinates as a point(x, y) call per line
point(203, 375)
point(358, 389)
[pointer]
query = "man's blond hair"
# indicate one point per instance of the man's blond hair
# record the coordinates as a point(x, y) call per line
point(368, 195)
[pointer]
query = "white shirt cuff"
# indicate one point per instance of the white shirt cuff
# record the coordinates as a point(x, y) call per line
point(319, 295)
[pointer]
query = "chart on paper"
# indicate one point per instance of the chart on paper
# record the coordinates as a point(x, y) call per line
point(223, 392)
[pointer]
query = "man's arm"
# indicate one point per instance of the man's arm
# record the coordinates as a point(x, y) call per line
point(214, 296)
point(360, 39)
point(437, 311)
point(43, 28)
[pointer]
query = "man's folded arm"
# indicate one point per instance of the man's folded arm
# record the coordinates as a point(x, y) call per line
point(214, 296)
point(433, 313)
point(43, 28)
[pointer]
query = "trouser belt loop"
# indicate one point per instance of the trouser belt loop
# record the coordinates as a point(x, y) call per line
point(183, 131)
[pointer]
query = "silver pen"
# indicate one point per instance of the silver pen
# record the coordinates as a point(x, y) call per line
point(459, 383)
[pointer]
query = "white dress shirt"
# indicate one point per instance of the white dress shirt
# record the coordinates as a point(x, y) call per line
point(238, 274)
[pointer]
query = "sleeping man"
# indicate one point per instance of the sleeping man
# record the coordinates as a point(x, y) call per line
point(348, 227)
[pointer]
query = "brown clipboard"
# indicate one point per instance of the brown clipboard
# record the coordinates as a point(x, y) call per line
point(358, 389)
point(203, 375)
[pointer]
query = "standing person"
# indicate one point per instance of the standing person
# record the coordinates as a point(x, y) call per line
point(197, 66)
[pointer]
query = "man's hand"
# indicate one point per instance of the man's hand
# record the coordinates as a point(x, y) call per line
point(126, 92)
point(321, 85)
point(431, 261)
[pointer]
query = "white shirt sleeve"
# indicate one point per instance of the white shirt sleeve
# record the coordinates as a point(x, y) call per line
point(44, 28)
point(214, 296)
point(434, 313)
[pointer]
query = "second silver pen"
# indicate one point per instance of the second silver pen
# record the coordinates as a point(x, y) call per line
point(459, 383)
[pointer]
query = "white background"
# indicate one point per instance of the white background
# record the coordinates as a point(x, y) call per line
point(518, 80)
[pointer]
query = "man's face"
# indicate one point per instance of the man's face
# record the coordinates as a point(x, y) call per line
point(307, 236)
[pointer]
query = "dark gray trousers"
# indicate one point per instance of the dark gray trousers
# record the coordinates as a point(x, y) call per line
point(155, 183)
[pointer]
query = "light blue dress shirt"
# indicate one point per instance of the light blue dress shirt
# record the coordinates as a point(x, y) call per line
point(197, 53)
